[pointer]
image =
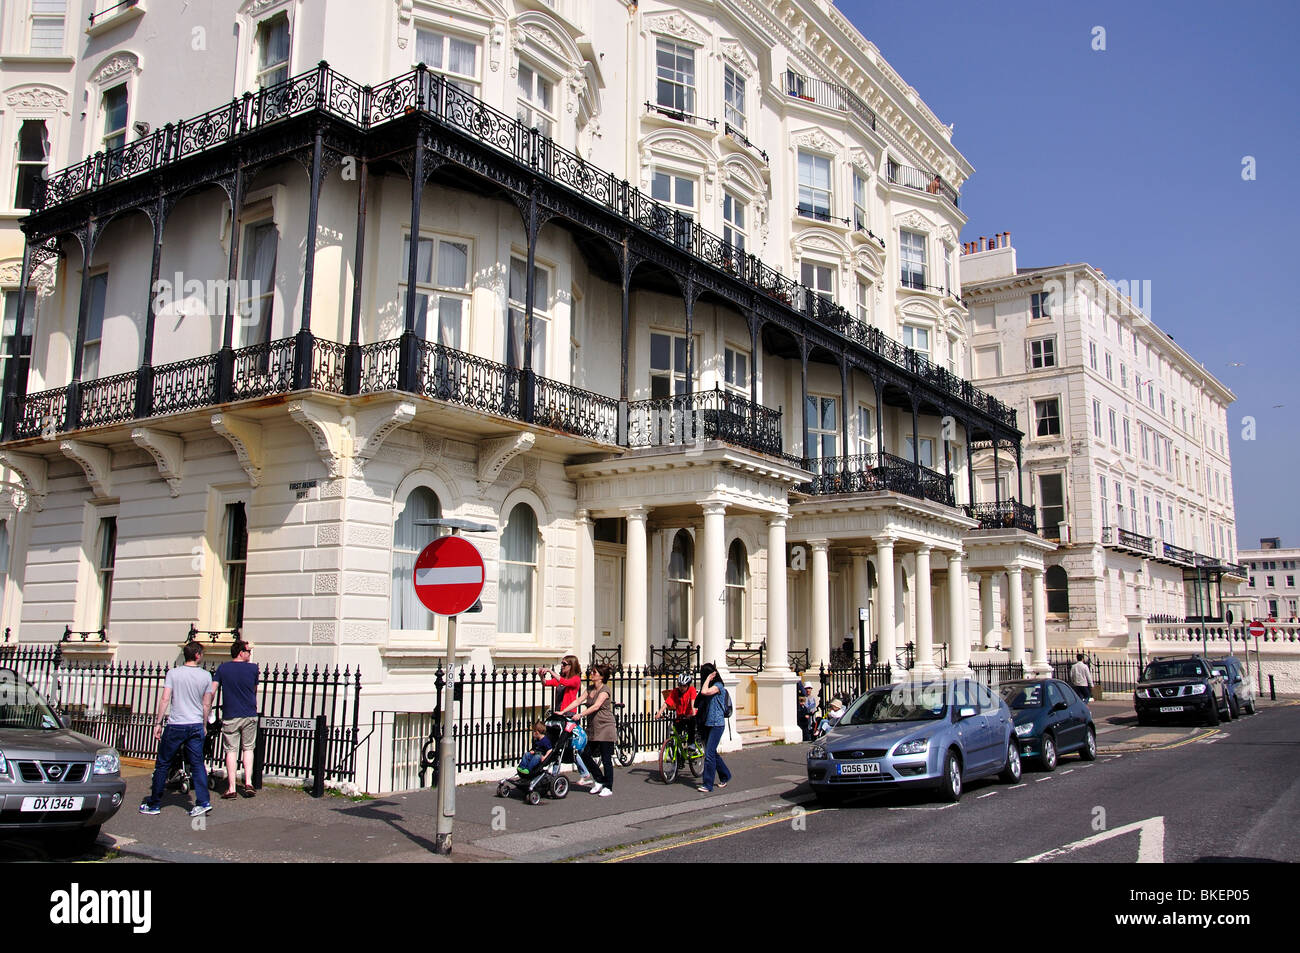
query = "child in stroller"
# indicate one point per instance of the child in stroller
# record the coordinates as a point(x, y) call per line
point(179, 775)
point(538, 777)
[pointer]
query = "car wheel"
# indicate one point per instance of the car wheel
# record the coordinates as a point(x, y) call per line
point(1143, 720)
point(1011, 770)
point(1234, 707)
point(1250, 707)
point(1089, 750)
point(1048, 757)
point(951, 786)
point(1213, 717)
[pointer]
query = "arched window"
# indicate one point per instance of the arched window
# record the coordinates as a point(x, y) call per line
point(407, 612)
point(1058, 590)
point(518, 571)
point(680, 563)
point(737, 579)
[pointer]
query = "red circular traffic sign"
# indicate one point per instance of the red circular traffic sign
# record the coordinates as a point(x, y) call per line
point(1256, 628)
point(449, 575)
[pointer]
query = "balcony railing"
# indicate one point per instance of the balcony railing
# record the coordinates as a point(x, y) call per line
point(109, 8)
point(831, 95)
point(922, 181)
point(1114, 536)
point(679, 115)
point(706, 415)
point(864, 473)
point(326, 92)
point(1009, 514)
point(803, 210)
point(744, 140)
point(1178, 554)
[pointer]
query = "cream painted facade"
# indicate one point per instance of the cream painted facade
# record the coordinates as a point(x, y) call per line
point(1272, 571)
point(800, 145)
point(1126, 451)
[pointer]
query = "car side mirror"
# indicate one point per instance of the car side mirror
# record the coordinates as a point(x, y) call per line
point(966, 713)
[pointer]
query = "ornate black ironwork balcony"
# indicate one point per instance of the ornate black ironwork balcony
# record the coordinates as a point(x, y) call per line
point(922, 181)
point(863, 473)
point(1114, 536)
point(1178, 554)
point(1009, 514)
point(706, 415)
point(576, 411)
point(108, 400)
point(325, 92)
point(831, 95)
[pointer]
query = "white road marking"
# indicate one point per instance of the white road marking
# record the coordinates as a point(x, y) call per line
point(1041, 780)
point(1067, 771)
point(924, 807)
point(1151, 842)
point(1022, 784)
point(990, 794)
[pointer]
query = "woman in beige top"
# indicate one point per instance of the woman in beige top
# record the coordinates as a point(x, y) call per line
point(601, 730)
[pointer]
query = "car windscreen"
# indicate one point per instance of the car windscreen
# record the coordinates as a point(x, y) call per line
point(1022, 696)
point(1173, 668)
point(902, 703)
point(21, 706)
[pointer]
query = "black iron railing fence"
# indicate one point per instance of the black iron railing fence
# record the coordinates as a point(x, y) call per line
point(705, 415)
point(1009, 514)
point(1108, 674)
point(326, 92)
point(862, 473)
point(831, 95)
point(922, 181)
point(116, 702)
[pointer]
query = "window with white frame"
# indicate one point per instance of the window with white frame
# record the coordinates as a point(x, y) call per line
point(24, 350)
point(1109, 375)
point(518, 567)
point(667, 364)
point(819, 278)
point(823, 416)
point(681, 562)
point(273, 50)
point(1146, 512)
point(234, 563)
point(1146, 442)
point(105, 562)
point(1119, 505)
point(1092, 354)
point(1040, 304)
point(675, 76)
point(442, 289)
point(927, 450)
point(48, 22)
point(515, 312)
point(814, 186)
point(1132, 509)
point(1123, 374)
point(452, 56)
point(1096, 419)
point(736, 371)
point(733, 222)
point(91, 345)
point(949, 285)
point(1047, 417)
point(918, 339)
point(31, 158)
point(737, 579)
point(733, 97)
point(410, 536)
point(675, 190)
point(864, 302)
point(114, 106)
point(535, 107)
point(1128, 436)
point(257, 282)
point(1105, 503)
point(1042, 353)
point(859, 201)
point(912, 255)
point(1114, 441)
point(1051, 502)
point(866, 438)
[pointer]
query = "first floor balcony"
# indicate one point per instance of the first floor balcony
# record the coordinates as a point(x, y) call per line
point(865, 473)
point(1008, 514)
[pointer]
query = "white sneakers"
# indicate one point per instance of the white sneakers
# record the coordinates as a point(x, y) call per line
point(606, 792)
point(596, 789)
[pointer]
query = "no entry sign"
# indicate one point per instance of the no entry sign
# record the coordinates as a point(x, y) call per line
point(449, 575)
point(1257, 628)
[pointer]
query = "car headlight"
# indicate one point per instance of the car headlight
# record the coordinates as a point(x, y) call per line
point(1143, 693)
point(817, 753)
point(4, 766)
point(1026, 729)
point(1197, 690)
point(107, 762)
point(920, 746)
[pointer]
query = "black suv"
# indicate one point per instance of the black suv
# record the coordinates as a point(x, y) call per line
point(1179, 685)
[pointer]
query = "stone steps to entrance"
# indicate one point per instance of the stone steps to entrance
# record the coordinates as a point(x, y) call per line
point(751, 733)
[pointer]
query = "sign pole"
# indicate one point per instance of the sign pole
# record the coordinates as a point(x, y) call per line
point(447, 753)
point(863, 625)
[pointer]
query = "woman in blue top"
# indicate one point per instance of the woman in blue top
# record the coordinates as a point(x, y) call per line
point(711, 703)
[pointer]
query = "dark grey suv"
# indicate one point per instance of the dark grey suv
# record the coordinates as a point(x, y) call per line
point(51, 777)
point(1180, 686)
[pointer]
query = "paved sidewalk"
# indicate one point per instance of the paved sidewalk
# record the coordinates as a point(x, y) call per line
point(287, 825)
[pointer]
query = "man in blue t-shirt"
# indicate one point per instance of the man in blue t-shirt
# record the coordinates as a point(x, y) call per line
point(238, 680)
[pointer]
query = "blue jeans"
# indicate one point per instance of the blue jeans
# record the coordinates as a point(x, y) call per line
point(531, 760)
point(712, 760)
point(175, 737)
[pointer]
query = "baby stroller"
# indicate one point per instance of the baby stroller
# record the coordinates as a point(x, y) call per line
point(545, 780)
point(179, 775)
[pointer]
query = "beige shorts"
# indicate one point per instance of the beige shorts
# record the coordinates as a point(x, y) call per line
point(239, 733)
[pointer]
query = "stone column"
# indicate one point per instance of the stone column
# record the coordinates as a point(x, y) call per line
point(634, 588)
point(819, 599)
point(713, 566)
point(958, 610)
point(925, 666)
point(1016, 609)
point(987, 632)
point(885, 598)
point(775, 685)
point(1038, 666)
point(584, 596)
point(861, 597)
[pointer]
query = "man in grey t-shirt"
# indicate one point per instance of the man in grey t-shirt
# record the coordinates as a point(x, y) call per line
point(188, 690)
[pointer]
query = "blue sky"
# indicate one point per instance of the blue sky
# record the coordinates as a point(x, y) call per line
point(1131, 159)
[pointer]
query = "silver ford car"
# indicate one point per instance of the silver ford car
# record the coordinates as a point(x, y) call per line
point(51, 777)
point(916, 734)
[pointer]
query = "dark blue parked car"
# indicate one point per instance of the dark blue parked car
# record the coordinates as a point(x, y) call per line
point(1051, 720)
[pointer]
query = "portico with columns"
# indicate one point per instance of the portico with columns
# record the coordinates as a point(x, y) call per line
point(1002, 564)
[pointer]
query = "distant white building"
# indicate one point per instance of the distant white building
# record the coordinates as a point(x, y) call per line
point(1272, 571)
point(1126, 450)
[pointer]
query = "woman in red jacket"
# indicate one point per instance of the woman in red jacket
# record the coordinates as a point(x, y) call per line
point(569, 681)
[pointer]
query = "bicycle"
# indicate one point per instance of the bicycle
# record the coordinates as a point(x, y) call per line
point(626, 747)
point(679, 747)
